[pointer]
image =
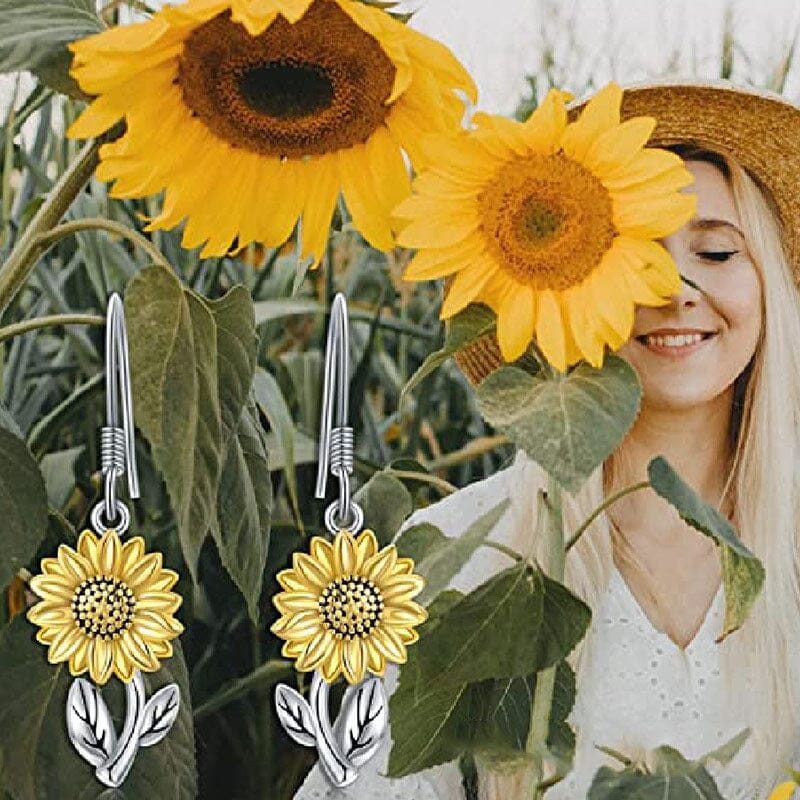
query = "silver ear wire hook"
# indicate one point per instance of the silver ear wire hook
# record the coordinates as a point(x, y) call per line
point(117, 444)
point(336, 441)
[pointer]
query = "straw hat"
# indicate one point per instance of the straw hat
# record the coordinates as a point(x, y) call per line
point(760, 130)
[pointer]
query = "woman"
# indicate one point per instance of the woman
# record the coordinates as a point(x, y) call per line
point(724, 411)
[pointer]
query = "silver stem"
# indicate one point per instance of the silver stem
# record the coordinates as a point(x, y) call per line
point(339, 770)
point(114, 772)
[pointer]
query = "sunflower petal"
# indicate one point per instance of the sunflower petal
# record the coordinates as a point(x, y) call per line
point(100, 661)
point(465, 287)
point(345, 554)
point(599, 115)
point(550, 329)
point(545, 127)
point(353, 660)
point(515, 322)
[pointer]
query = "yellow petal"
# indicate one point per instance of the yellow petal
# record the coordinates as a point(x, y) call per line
point(405, 615)
point(361, 198)
point(590, 344)
point(157, 625)
point(65, 644)
point(670, 181)
point(511, 132)
point(137, 650)
point(345, 554)
point(611, 299)
point(316, 573)
point(389, 172)
point(97, 118)
point(319, 206)
point(161, 602)
point(332, 665)
point(515, 322)
point(100, 661)
point(132, 552)
point(291, 581)
point(123, 665)
point(432, 263)
point(646, 165)
point(388, 643)
point(403, 588)
point(619, 146)
point(545, 127)
point(550, 329)
point(322, 551)
point(353, 660)
point(298, 625)
point(73, 563)
point(376, 663)
point(79, 661)
point(146, 570)
point(87, 546)
point(318, 648)
point(381, 564)
point(466, 287)
point(783, 792)
point(109, 553)
point(599, 115)
point(45, 613)
point(367, 545)
point(287, 602)
point(50, 586)
point(656, 218)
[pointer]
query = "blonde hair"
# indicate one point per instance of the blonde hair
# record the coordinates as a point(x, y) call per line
point(760, 668)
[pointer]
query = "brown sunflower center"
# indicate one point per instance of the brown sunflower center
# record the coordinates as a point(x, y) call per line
point(311, 88)
point(351, 606)
point(547, 220)
point(103, 607)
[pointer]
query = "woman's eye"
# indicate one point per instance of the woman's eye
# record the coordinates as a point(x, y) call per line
point(717, 255)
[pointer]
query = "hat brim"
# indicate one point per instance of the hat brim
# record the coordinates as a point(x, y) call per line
point(759, 130)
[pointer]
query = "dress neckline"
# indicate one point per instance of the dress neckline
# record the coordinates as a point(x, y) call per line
point(618, 576)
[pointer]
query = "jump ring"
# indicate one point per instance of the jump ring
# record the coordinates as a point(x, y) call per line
point(123, 514)
point(332, 512)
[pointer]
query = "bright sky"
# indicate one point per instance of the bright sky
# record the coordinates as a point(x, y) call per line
point(500, 41)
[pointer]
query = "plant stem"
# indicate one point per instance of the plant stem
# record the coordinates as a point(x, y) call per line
point(545, 679)
point(47, 239)
point(23, 257)
point(27, 325)
point(605, 504)
point(510, 552)
point(445, 487)
point(268, 673)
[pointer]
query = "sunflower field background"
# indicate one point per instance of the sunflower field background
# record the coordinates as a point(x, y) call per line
point(227, 451)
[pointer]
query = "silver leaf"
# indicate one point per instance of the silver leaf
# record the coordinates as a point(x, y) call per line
point(362, 720)
point(89, 723)
point(295, 715)
point(159, 713)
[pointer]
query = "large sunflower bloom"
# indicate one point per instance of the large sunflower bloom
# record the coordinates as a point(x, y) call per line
point(106, 608)
point(347, 607)
point(550, 224)
point(254, 113)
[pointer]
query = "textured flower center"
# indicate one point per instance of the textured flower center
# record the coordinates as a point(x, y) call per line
point(311, 88)
point(103, 607)
point(547, 220)
point(351, 606)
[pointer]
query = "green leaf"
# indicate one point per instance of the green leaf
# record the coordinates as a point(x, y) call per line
point(236, 354)
point(58, 470)
point(192, 363)
point(432, 724)
point(491, 633)
point(34, 35)
point(173, 342)
point(23, 506)
point(471, 324)
point(420, 540)
point(386, 503)
point(742, 573)
point(565, 620)
point(273, 406)
point(38, 756)
point(442, 564)
point(671, 777)
point(568, 423)
point(244, 510)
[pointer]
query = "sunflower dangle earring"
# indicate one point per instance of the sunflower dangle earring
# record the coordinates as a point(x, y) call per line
point(347, 608)
point(106, 608)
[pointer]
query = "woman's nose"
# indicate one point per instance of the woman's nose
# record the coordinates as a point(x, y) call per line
point(688, 271)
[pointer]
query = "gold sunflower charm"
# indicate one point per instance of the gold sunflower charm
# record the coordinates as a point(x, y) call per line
point(106, 608)
point(252, 114)
point(348, 607)
point(552, 225)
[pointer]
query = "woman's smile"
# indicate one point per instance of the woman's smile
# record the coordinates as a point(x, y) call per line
point(676, 345)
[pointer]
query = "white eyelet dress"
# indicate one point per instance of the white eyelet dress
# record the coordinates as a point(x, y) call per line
point(638, 689)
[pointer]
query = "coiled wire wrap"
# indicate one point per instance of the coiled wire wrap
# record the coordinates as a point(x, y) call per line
point(340, 446)
point(113, 461)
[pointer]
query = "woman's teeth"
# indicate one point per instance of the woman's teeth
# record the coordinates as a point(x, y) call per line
point(674, 341)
